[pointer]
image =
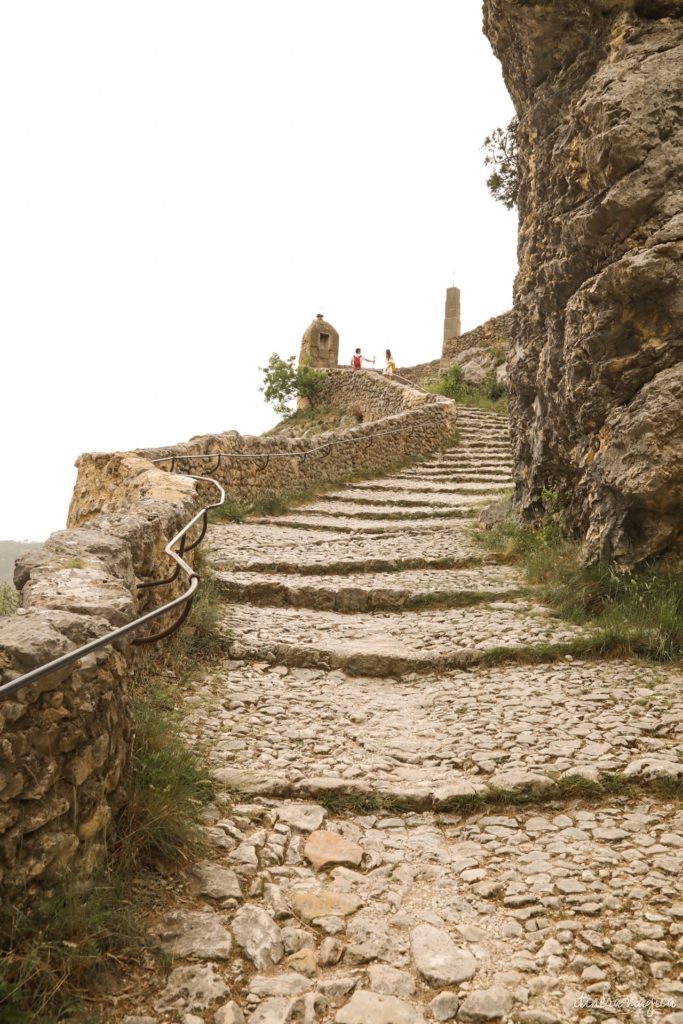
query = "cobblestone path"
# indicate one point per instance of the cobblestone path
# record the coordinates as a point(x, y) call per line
point(416, 822)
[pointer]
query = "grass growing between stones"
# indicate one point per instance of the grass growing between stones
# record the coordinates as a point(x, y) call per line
point(231, 511)
point(62, 948)
point(633, 612)
point(575, 789)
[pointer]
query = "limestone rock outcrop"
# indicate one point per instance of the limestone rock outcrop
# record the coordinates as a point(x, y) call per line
point(595, 375)
point(482, 352)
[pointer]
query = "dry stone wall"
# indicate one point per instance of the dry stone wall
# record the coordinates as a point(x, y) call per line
point(65, 741)
point(398, 424)
point(596, 378)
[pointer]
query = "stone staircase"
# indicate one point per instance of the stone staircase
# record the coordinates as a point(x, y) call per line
point(425, 819)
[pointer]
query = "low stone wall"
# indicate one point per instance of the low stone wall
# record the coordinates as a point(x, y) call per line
point(385, 440)
point(398, 423)
point(370, 396)
point(65, 741)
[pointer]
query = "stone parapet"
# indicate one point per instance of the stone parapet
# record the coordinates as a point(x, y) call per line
point(65, 741)
point(398, 423)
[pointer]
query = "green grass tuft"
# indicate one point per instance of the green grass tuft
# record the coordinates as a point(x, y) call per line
point(59, 948)
point(158, 827)
point(634, 612)
point(231, 511)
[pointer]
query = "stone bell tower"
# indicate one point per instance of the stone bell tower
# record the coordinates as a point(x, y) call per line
point(451, 325)
point(320, 345)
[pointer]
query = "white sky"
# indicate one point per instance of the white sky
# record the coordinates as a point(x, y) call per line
point(185, 185)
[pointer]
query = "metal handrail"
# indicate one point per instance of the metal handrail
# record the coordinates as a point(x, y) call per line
point(183, 600)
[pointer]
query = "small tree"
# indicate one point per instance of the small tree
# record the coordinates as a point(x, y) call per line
point(501, 154)
point(283, 382)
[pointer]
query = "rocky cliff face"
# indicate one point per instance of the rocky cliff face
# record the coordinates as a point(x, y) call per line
point(596, 378)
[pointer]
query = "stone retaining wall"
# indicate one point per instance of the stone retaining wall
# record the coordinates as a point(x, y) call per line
point(65, 742)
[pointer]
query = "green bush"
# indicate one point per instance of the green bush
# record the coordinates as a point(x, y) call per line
point(283, 383)
point(453, 382)
point(9, 599)
point(490, 394)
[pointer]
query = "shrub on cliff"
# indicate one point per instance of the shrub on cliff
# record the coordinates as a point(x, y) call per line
point(490, 394)
point(283, 382)
point(9, 599)
point(501, 154)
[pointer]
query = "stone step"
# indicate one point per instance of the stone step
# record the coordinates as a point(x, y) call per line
point(472, 466)
point(473, 476)
point(459, 487)
point(495, 422)
point(463, 455)
point(482, 434)
point(426, 741)
point(466, 438)
point(390, 644)
point(351, 509)
point(319, 520)
point(410, 499)
point(422, 484)
point(247, 547)
point(373, 591)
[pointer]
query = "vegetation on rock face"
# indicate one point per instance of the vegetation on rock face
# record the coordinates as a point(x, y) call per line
point(9, 599)
point(283, 382)
point(636, 612)
point(501, 154)
point(490, 394)
point(310, 422)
